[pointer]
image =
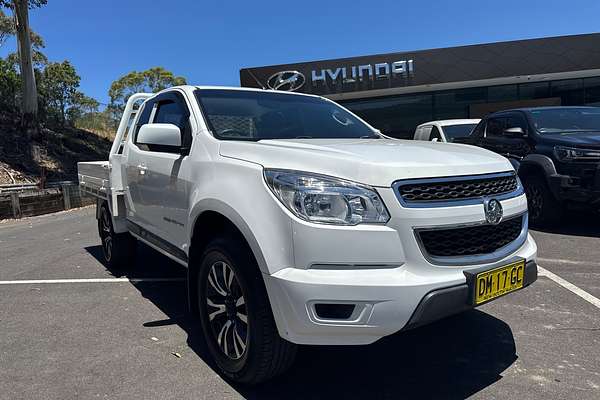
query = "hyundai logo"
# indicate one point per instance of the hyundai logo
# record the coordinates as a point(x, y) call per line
point(493, 211)
point(288, 81)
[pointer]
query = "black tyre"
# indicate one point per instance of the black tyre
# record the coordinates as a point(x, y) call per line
point(236, 316)
point(544, 209)
point(118, 249)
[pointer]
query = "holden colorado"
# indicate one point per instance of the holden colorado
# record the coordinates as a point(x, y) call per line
point(299, 223)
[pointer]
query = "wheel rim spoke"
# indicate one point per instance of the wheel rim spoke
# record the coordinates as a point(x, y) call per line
point(220, 309)
point(242, 317)
point(238, 343)
point(222, 338)
point(213, 279)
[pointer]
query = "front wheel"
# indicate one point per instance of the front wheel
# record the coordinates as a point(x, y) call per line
point(236, 316)
point(118, 249)
point(544, 209)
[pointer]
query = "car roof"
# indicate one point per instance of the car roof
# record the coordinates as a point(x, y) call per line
point(446, 122)
point(249, 89)
point(528, 109)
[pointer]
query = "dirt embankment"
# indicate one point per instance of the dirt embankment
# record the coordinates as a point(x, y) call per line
point(55, 154)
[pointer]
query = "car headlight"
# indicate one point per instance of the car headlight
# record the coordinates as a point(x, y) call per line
point(574, 154)
point(326, 200)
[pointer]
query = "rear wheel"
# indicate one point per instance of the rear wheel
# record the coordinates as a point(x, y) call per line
point(118, 249)
point(544, 209)
point(236, 316)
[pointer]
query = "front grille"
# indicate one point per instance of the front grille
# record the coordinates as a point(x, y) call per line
point(442, 190)
point(471, 240)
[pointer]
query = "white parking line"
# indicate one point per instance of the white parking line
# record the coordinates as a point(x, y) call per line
point(569, 286)
point(92, 280)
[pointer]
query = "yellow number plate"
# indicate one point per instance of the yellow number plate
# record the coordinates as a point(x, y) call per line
point(496, 282)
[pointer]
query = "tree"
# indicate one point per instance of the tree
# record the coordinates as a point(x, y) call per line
point(8, 29)
point(29, 90)
point(81, 106)
point(152, 80)
point(59, 87)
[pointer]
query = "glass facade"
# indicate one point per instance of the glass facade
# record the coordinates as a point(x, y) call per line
point(398, 116)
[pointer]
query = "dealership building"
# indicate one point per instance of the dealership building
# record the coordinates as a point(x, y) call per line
point(397, 91)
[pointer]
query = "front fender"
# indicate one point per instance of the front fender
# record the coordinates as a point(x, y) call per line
point(228, 212)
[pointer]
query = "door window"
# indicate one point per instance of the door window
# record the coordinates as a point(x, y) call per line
point(172, 112)
point(495, 127)
point(435, 134)
point(144, 117)
point(516, 121)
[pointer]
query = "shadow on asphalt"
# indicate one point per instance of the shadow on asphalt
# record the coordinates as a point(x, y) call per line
point(575, 223)
point(453, 358)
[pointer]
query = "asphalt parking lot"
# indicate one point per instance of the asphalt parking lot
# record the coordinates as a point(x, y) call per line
point(69, 329)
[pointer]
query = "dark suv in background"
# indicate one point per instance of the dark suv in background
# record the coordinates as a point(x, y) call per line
point(556, 151)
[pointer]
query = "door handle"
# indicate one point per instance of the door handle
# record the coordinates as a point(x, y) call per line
point(142, 169)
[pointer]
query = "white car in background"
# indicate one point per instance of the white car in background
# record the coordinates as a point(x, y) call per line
point(446, 130)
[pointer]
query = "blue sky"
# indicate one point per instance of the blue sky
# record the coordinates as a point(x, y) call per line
point(209, 41)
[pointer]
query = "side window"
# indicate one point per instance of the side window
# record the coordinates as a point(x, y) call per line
point(516, 121)
point(172, 112)
point(144, 118)
point(435, 134)
point(495, 127)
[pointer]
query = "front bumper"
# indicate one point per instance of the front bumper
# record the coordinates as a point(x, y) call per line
point(386, 300)
point(442, 303)
point(579, 183)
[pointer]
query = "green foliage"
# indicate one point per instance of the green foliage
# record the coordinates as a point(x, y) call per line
point(58, 88)
point(10, 84)
point(32, 3)
point(7, 27)
point(81, 105)
point(152, 80)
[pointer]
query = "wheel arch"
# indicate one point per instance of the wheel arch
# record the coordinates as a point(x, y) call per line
point(537, 163)
point(219, 219)
point(541, 165)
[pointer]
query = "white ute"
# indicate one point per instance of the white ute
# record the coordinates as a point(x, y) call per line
point(301, 224)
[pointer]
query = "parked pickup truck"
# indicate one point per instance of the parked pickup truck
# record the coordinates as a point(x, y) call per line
point(301, 224)
point(556, 151)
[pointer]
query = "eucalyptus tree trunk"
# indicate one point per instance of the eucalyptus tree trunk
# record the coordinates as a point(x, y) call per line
point(29, 90)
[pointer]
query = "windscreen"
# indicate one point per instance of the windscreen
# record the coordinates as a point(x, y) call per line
point(256, 115)
point(566, 120)
point(454, 131)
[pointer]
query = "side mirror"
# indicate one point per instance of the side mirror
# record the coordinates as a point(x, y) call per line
point(160, 135)
point(516, 132)
point(435, 139)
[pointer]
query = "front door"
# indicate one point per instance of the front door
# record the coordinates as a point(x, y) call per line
point(497, 141)
point(158, 182)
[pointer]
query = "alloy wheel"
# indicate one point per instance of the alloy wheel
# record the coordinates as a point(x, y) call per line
point(536, 200)
point(227, 312)
point(106, 236)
